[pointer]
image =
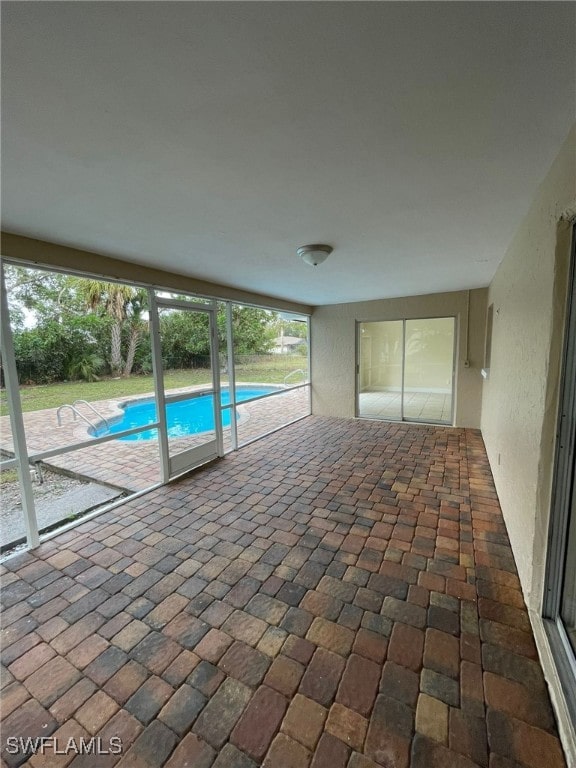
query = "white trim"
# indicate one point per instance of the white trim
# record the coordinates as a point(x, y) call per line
point(178, 398)
point(16, 418)
point(231, 377)
point(217, 398)
point(271, 432)
point(89, 443)
point(184, 461)
point(166, 303)
point(309, 356)
point(158, 372)
point(548, 662)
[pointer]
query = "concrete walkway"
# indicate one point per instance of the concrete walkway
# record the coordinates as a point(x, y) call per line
point(54, 509)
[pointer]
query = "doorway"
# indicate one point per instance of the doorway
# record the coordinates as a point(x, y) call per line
point(190, 420)
point(405, 370)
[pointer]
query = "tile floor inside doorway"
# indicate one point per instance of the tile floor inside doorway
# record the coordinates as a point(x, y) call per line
point(424, 406)
point(339, 594)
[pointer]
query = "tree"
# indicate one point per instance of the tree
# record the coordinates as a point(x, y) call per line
point(57, 339)
point(35, 295)
point(137, 327)
point(186, 338)
point(56, 351)
point(114, 297)
point(48, 316)
point(253, 329)
point(54, 337)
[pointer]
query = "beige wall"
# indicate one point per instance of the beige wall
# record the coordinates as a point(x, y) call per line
point(520, 399)
point(334, 342)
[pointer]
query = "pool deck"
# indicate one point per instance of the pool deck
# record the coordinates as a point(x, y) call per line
point(135, 465)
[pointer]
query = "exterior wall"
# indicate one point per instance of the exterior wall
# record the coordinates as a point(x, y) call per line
point(520, 399)
point(333, 334)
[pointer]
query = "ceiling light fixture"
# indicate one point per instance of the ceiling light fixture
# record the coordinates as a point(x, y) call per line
point(314, 254)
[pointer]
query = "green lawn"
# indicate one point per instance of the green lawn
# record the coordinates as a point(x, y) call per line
point(271, 369)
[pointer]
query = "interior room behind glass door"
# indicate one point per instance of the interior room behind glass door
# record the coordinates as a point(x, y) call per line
point(406, 370)
point(380, 370)
point(428, 369)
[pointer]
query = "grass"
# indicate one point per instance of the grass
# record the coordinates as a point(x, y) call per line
point(8, 476)
point(270, 369)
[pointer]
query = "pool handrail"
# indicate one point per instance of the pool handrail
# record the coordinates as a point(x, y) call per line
point(85, 402)
point(298, 370)
point(76, 412)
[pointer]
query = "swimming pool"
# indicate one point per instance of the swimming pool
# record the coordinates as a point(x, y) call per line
point(184, 417)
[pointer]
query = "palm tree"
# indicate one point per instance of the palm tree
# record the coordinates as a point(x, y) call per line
point(115, 299)
point(138, 326)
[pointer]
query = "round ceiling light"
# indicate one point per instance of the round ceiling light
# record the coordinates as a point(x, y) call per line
point(314, 254)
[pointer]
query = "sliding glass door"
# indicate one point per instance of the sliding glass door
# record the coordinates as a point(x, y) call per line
point(568, 601)
point(405, 370)
point(559, 609)
point(381, 355)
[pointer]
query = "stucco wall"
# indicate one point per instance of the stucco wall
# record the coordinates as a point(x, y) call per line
point(333, 332)
point(520, 400)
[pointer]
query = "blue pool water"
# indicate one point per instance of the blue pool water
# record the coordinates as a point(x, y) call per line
point(185, 417)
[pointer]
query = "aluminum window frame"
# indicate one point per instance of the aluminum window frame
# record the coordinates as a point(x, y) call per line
point(404, 320)
point(563, 488)
point(236, 443)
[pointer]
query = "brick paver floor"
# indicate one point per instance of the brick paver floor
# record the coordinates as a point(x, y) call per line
point(134, 465)
point(339, 594)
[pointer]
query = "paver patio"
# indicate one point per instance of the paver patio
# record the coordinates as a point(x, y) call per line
point(134, 465)
point(339, 594)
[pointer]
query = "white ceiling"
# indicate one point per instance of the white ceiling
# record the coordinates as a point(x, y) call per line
point(213, 139)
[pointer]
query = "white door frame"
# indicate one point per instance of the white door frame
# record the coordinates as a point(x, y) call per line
point(358, 364)
point(184, 461)
point(16, 418)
